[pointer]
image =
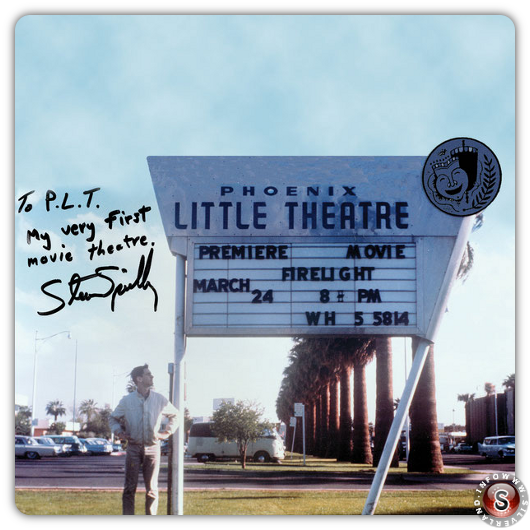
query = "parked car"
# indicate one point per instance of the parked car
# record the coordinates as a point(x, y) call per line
point(203, 445)
point(463, 447)
point(28, 447)
point(45, 440)
point(164, 448)
point(97, 446)
point(498, 447)
point(75, 447)
point(117, 447)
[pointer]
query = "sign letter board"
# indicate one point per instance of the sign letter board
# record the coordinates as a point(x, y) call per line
point(306, 245)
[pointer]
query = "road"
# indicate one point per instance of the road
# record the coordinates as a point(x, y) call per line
point(108, 472)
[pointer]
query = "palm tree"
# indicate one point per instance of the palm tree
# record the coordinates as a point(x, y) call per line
point(384, 406)
point(55, 409)
point(345, 446)
point(323, 418)
point(315, 388)
point(299, 384)
point(343, 352)
point(509, 382)
point(425, 454)
point(466, 398)
point(88, 407)
point(489, 388)
point(334, 417)
point(315, 365)
point(362, 450)
point(468, 257)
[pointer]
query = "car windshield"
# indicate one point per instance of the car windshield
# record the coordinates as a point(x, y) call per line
point(507, 440)
point(267, 433)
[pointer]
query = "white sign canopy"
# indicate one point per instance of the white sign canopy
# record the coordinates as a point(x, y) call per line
point(307, 245)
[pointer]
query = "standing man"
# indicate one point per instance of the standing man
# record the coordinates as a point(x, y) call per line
point(138, 419)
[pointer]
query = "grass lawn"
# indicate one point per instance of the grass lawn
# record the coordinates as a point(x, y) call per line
point(251, 502)
point(313, 464)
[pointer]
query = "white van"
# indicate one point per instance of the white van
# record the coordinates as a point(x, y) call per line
point(498, 447)
point(203, 446)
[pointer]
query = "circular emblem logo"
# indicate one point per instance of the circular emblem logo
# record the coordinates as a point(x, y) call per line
point(461, 176)
point(501, 499)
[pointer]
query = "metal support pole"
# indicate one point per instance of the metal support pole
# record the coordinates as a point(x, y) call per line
point(170, 371)
point(417, 366)
point(177, 457)
point(294, 436)
point(395, 429)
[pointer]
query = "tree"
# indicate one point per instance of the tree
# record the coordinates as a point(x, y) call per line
point(468, 257)
point(88, 408)
point(23, 421)
point(425, 454)
point(346, 351)
point(55, 409)
point(57, 428)
point(489, 388)
point(241, 423)
point(301, 384)
point(345, 419)
point(188, 422)
point(466, 398)
point(384, 405)
point(98, 426)
point(509, 382)
point(362, 450)
point(315, 364)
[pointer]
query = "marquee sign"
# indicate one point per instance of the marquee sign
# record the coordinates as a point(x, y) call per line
point(306, 245)
point(293, 288)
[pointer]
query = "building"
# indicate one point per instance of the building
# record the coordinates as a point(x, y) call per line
point(490, 416)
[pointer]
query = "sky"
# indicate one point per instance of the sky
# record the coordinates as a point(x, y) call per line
point(96, 95)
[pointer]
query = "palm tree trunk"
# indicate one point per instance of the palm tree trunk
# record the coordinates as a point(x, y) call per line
point(345, 435)
point(362, 452)
point(425, 455)
point(384, 404)
point(324, 416)
point(318, 425)
point(333, 427)
point(311, 425)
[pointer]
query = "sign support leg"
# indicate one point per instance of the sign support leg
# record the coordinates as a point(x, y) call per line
point(177, 459)
point(395, 430)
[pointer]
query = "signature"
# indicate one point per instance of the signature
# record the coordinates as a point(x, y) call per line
point(80, 290)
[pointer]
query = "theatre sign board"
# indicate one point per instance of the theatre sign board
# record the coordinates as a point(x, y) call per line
point(300, 246)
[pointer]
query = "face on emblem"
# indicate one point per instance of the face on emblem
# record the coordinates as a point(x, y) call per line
point(452, 184)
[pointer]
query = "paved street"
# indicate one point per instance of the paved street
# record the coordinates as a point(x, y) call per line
point(107, 473)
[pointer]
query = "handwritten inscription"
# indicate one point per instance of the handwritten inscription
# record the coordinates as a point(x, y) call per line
point(107, 281)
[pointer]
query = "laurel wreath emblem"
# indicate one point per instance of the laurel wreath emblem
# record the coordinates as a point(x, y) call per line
point(484, 195)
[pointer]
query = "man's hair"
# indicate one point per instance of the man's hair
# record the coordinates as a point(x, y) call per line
point(138, 372)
